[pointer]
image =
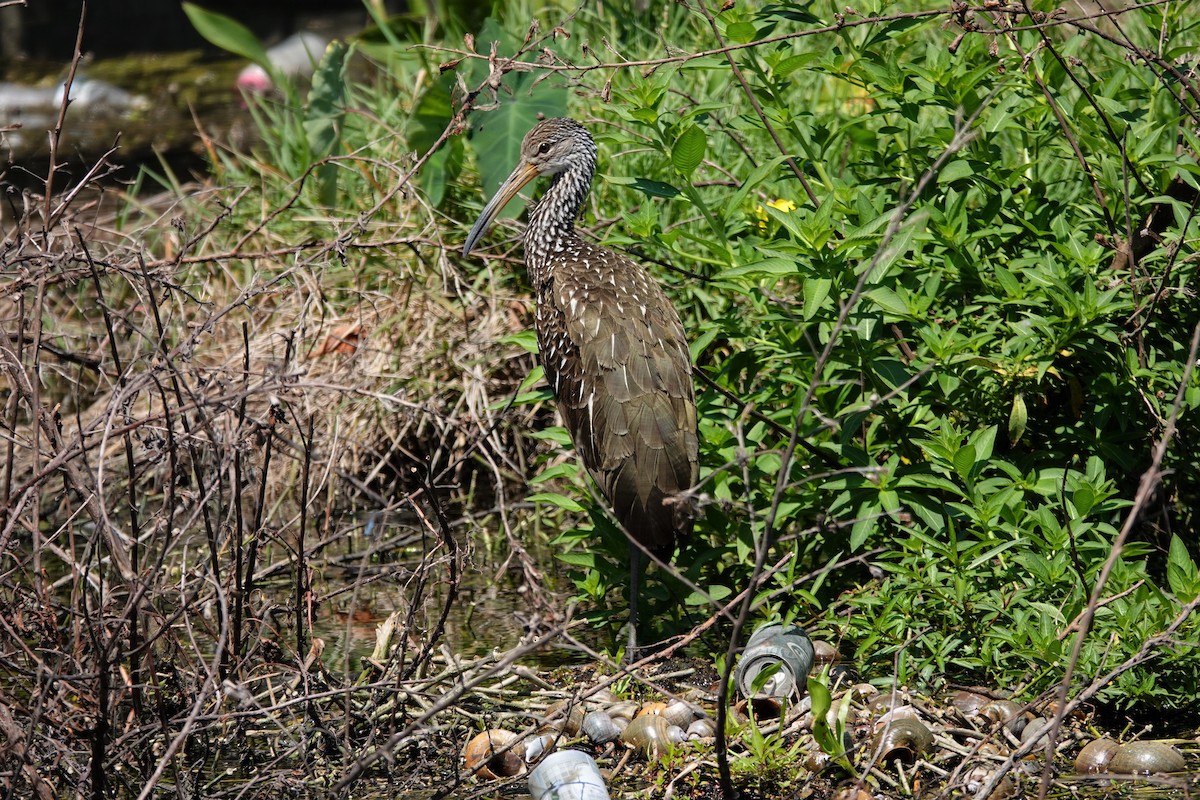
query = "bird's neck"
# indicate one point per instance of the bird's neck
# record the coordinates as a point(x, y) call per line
point(551, 229)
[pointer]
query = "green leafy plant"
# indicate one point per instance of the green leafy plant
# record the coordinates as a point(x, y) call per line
point(968, 397)
point(896, 247)
point(228, 34)
point(769, 762)
point(830, 738)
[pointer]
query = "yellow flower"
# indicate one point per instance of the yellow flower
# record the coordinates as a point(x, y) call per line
point(761, 216)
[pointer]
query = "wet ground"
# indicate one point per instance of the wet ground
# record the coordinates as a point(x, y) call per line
point(897, 743)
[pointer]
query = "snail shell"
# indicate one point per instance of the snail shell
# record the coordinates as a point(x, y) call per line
point(863, 691)
point(1036, 727)
point(763, 709)
point(886, 702)
point(979, 774)
point(652, 735)
point(1007, 713)
point(903, 738)
point(604, 697)
point(853, 793)
point(677, 712)
point(600, 728)
point(681, 713)
point(816, 760)
point(703, 728)
point(565, 716)
point(1144, 758)
point(825, 653)
point(993, 749)
point(622, 712)
point(968, 703)
point(1095, 756)
point(495, 754)
point(651, 710)
point(897, 712)
point(538, 746)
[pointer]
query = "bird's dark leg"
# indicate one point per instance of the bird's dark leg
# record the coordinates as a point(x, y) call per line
point(635, 579)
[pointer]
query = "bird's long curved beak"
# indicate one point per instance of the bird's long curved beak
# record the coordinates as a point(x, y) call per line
point(523, 174)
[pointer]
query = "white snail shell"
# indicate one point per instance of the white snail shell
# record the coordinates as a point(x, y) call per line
point(600, 728)
point(680, 712)
point(703, 728)
point(538, 746)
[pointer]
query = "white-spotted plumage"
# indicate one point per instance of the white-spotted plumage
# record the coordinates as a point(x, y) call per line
point(622, 379)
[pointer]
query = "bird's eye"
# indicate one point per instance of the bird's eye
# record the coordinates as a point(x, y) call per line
point(543, 148)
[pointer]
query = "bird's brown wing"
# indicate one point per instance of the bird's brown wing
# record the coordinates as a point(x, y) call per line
point(621, 370)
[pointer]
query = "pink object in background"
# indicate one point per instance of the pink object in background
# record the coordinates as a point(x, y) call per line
point(294, 57)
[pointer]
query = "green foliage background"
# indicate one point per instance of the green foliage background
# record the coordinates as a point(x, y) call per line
point(930, 379)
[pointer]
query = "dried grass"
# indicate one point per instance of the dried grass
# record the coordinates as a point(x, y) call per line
point(189, 412)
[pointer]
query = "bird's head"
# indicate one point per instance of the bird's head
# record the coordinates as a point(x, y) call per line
point(553, 146)
point(556, 145)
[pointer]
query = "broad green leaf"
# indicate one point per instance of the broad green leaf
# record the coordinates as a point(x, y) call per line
point(323, 116)
point(793, 63)
point(889, 301)
point(701, 342)
point(1083, 498)
point(557, 471)
point(864, 526)
point(556, 434)
point(830, 740)
point(1018, 418)
point(866, 234)
point(536, 376)
point(655, 188)
point(816, 292)
point(984, 442)
point(688, 151)
point(526, 340)
point(774, 267)
point(715, 594)
point(555, 499)
point(740, 32)
point(987, 556)
point(927, 481)
point(1182, 574)
point(790, 222)
point(964, 461)
point(751, 183)
point(643, 222)
point(764, 676)
point(955, 170)
point(1007, 281)
point(822, 701)
point(529, 398)
point(496, 135)
point(585, 560)
point(326, 101)
point(227, 34)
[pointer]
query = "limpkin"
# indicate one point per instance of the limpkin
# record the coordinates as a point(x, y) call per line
point(613, 350)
